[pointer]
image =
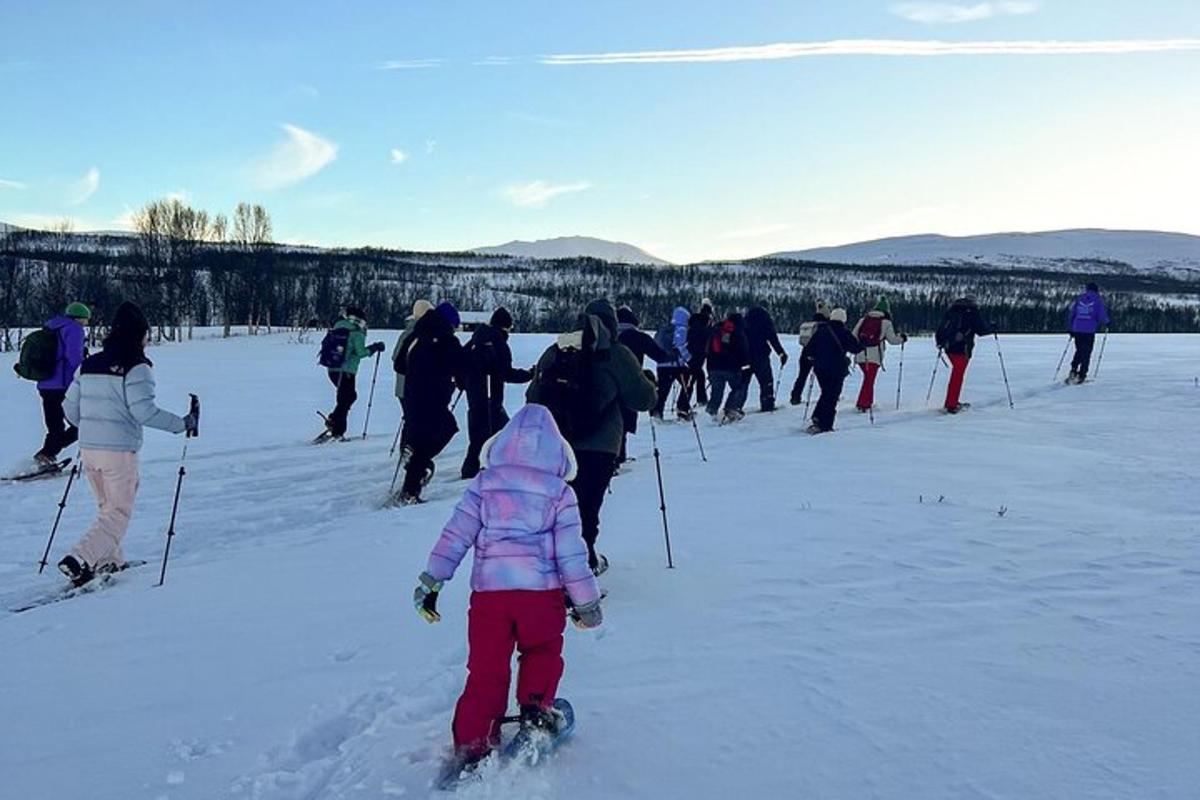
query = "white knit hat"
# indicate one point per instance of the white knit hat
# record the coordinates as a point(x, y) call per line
point(838, 315)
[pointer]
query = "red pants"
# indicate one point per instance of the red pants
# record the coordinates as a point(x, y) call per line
point(958, 371)
point(866, 395)
point(531, 621)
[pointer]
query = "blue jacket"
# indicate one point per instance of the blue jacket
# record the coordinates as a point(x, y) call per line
point(1088, 313)
point(70, 352)
point(110, 402)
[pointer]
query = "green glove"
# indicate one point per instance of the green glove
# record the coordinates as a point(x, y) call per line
point(425, 598)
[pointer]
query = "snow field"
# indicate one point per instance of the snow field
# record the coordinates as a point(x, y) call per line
point(851, 615)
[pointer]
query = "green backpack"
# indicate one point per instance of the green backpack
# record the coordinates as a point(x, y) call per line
point(39, 356)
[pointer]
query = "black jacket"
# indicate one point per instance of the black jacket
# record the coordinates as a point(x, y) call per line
point(641, 344)
point(487, 366)
point(728, 349)
point(761, 334)
point(432, 363)
point(960, 326)
point(827, 348)
point(699, 328)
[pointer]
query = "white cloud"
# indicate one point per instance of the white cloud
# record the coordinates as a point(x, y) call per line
point(878, 47)
point(302, 155)
point(411, 63)
point(942, 13)
point(81, 190)
point(755, 231)
point(12, 184)
point(538, 193)
point(399, 156)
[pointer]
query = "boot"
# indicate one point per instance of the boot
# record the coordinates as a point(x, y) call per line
point(76, 571)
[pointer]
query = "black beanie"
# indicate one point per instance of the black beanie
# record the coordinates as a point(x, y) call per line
point(356, 312)
point(129, 323)
point(501, 318)
point(1092, 287)
point(626, 316)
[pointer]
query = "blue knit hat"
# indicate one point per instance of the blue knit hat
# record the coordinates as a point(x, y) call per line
point(449, 313)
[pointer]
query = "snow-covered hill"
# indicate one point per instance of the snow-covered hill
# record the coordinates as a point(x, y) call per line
point(573, 247)
point(1001, 604)
point(1175, 254)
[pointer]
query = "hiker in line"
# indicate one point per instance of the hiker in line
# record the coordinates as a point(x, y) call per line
point(110, 402)
point(807, 329)
point(642, 345)
point(433, 364)
point(419, 309)
point(487, 369)
point(728, 357)
point(699, 329)
point(350, 334)
point(586, 378)
point(60, 349)
point(522, 519)
point(874, 332)
point(830, 343)
point(1088, 314)
point(676, 369)
point(763, 339)
point(956, 336)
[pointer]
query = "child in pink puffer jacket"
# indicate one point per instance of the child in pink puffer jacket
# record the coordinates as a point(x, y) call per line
point(523, 521)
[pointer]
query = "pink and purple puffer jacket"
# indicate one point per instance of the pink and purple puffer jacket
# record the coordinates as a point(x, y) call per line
point(520, 516)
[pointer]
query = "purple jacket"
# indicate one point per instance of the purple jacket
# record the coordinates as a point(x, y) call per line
point(520, 516)
point(1088, 313)
point(70, 353)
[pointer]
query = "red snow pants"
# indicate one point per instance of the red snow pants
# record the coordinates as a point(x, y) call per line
point(866, 395)
point(958, 371)
point(531, 621)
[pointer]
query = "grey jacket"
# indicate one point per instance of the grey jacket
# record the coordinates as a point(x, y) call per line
point(110, 403)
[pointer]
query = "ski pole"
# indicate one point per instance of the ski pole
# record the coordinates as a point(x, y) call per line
point(900, 377)
point(62, 504)
point(396, 474)
point(808, 400)
point(779, 379)
point(195, 409)
point(396, 441)
point(1100, 360)
point(371, 396)
point(454, 405)
point(1063, 358)
point(662, 498)
point(933, 377)
point(1003, 371)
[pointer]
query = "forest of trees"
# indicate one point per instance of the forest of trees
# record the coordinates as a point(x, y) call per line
point(187, 268)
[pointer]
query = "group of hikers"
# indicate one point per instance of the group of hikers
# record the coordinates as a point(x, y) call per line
point(531, 511)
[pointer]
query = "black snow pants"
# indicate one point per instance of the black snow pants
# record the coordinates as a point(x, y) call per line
point(831, 391)
point(594, 473)
point(346, 395)
point(765, 375)
point(59, 435)
point(1084, 343)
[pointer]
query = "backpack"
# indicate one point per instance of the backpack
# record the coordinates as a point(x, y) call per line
point(722, 338)
point(334, 347)
point(39, 356)
point(565, 388)
point(665, 338)
point(870, 333)
point(954, 328)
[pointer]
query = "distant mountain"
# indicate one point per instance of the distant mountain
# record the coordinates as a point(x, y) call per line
point(1082, 250)
point(574, 247)
point(5, 227)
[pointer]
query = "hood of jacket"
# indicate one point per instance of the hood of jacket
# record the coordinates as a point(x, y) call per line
point(680, 317)
point(433, 324)
point(757, 316)
point(60, 322)
point(350, 324)
point(531, 440)
point(590, 331)
point(606, 313)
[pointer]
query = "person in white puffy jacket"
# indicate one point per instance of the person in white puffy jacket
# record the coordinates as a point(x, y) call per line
point(874, 332)
point(110, 401)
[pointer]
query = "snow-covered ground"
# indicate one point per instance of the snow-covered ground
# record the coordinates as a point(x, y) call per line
point(1003, 604)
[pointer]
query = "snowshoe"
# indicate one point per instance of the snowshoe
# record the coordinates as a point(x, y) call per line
point(958, 409)
point(732, 416)
point(76, 571)
point(543, 730)
point(43, 471)
point(685, 415)
point(814, 429)
point(461, 767)
point(43, 460)
point(406, 499)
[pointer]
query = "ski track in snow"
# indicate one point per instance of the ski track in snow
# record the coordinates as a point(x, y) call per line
point(1001, 604)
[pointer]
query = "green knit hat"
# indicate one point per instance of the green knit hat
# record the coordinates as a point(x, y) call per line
point(883, 305)
point(78, 311)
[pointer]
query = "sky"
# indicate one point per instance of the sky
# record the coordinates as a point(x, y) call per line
point(693, 128)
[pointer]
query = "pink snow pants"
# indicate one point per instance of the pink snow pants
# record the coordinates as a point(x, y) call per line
point(114, 479)
point(533, 622)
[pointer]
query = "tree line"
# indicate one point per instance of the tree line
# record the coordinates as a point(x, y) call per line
point(187, 268)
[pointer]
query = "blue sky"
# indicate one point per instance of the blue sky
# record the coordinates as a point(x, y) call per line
point(445, 125)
